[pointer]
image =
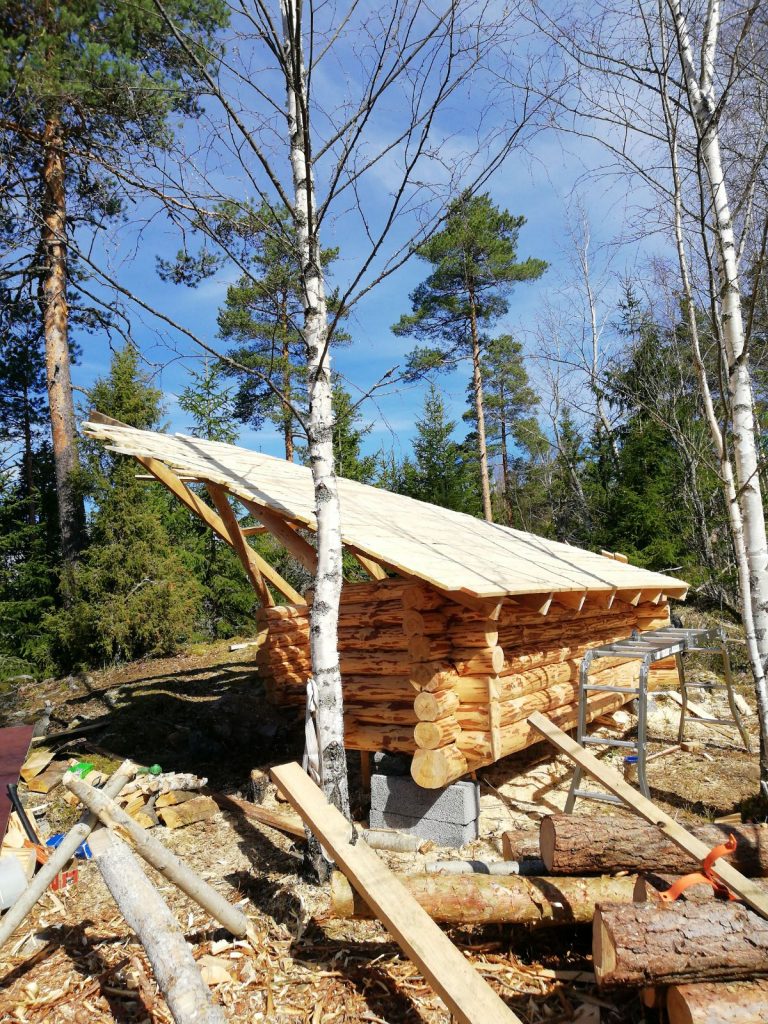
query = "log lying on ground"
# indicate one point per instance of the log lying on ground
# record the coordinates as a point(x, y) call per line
point(160, 857)
point(594, 844)
point(494, 899)
point(520, 844)
point(736, 1002)
point(651, 943)
point(61, 856)
point(146, 912)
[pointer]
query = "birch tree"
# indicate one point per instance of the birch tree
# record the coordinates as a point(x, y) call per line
point(358, 146)
point(661, 85)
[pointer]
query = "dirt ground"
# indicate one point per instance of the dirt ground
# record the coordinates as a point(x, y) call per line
point(75, 960)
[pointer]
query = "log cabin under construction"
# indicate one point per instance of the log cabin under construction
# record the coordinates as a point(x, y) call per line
point(464, 629)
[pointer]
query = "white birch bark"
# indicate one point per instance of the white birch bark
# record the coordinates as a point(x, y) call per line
point(741, 488)
point(325, 606)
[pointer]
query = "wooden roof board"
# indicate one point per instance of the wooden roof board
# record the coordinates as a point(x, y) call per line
point(450, 550)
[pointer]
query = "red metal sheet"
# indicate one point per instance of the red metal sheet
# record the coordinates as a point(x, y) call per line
point(14, 747)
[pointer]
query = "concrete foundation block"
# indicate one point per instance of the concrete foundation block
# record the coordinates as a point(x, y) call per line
point(458, 803)
point(444, 833)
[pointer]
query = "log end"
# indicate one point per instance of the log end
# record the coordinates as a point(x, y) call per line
point(603, 950)
point(435, 769)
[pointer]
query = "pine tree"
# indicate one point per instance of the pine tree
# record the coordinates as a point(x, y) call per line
point(474, 261)
point(263, 314)
point(132, 594)
point(348, 436)
point(84, 85)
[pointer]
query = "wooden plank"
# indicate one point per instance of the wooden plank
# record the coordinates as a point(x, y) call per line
point(199, 808)
point(745, 888)
point(469, 998)
point(238, 542)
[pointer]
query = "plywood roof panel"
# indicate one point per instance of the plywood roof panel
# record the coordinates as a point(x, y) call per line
point(450, 550)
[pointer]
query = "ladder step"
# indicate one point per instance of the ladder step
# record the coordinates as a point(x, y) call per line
point(591, 794)
point(612, 689)
point(596, 741)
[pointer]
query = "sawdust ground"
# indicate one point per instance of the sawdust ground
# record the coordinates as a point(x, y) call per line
point(76, 961)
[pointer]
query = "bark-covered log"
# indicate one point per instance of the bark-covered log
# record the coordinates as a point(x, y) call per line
point(593, 844)
point(520, 844)
point(160, 857)
point(489, 899)
point(735, 1002)
point(653, 943)
point(146, 912)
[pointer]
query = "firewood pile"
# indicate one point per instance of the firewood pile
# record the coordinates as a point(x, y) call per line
point(453, 686)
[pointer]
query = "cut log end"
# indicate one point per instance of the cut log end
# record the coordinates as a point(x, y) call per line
point(435, 769)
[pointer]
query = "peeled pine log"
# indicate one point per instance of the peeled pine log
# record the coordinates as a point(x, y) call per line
point(431, 735)
point(429, 648)
point(477, 746)
point(466, 899)
point(432, 675)
point(386, 714)
point(145, 911)
point(593, 844)
point(471, 661)
point(358, 736)
point(417, 623)
point(430, 707)
point(735, 1002)
point(422, 598)
point(485, 634)
point(637, 944)
point(434, 769)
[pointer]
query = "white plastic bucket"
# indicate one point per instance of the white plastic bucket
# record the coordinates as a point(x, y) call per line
point(13, 881)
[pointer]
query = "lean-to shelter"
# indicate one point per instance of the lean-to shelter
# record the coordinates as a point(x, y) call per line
point(464, 628)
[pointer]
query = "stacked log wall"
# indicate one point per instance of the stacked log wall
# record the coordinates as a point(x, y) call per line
point(453, 686)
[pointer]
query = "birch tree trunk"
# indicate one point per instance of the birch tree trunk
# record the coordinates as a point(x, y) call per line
point(325, 606)
point(55, 312)
point(477, 391)
point(740, 477)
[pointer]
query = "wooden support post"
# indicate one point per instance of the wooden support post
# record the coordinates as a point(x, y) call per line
point(374, 570)
point(210, 518)
point(751, 893)
point(239, 542)
point(539, 603)
point(301, 549)
point(468, 997)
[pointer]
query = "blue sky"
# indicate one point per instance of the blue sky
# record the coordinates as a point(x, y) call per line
point(537, 183)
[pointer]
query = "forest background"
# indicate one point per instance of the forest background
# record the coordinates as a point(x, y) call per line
point(594, 429)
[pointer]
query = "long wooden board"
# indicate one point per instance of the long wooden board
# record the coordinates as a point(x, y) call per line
point(752, 894)
point(469, 998)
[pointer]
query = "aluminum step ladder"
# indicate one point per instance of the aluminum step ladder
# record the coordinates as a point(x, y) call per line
point(648, 648)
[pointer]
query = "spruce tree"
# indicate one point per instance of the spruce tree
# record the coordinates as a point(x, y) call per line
point(441, 471)
point(85, 85)
point(474, 267)
point(132, 593)
point(227, 595)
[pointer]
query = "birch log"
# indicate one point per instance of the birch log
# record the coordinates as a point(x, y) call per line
point(146, 912)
